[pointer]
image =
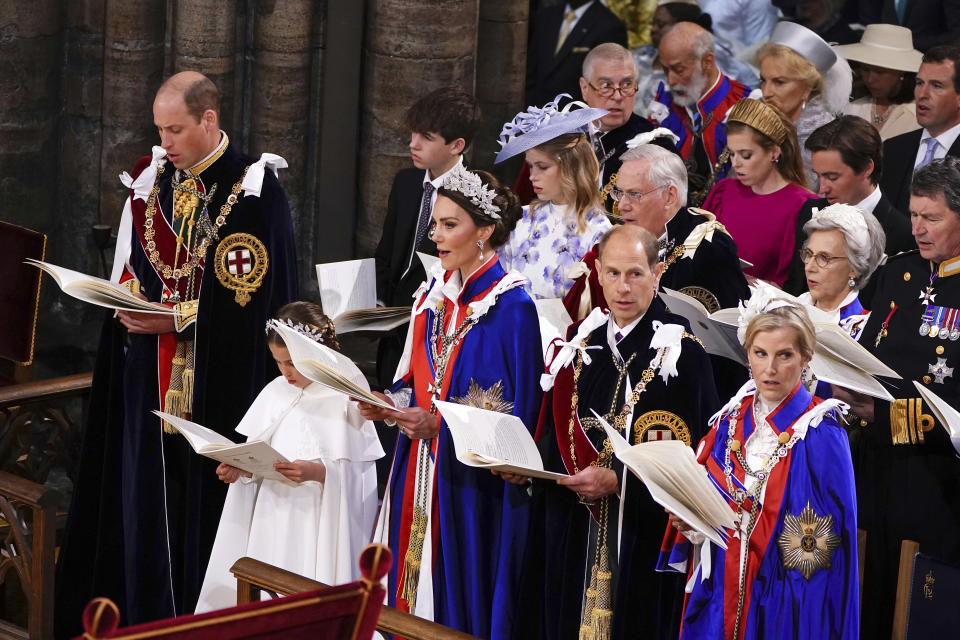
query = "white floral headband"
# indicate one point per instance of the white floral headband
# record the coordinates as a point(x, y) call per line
point(470, 185)
point(765, 298)
point(303, 329)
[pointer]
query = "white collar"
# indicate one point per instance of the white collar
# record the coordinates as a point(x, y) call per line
point(438, 181)
point(946, 139)
point(613, 328)
point(870, 202)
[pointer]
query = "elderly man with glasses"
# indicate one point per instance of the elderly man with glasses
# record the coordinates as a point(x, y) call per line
point(699, 256)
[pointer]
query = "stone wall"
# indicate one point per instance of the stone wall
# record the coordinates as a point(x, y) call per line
point(77, 80)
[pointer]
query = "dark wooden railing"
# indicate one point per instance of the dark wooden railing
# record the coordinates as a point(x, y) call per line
point(254, 576)
point(39, 434)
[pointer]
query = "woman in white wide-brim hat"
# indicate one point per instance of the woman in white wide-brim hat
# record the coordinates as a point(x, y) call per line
point(888, 65)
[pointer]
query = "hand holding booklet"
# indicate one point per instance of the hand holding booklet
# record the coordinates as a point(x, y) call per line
point(677, 482)
point(493, 440)
point(256, 457)
point(98, 291)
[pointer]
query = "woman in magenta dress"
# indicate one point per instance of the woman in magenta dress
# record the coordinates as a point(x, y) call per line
point(759, 206)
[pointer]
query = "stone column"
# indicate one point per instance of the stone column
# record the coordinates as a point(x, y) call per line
point(501, 74)
point(204, 40)
point(280, 95)
point(411, 47)
point(133, 51)
point(29, 104)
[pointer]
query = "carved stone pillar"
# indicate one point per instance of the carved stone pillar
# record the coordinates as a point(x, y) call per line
point(411, 47)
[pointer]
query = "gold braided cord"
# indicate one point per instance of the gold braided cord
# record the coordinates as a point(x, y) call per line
point(760, 116)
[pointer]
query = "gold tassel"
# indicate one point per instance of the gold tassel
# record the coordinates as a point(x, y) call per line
point(590, 597)
point(410, 578)
point(173, 401)
point(172, 404)
point(187, 378)
point(602, 611)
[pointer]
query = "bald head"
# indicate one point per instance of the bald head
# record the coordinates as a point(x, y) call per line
point(633, 236)
point(689, 38)
point(197, 91)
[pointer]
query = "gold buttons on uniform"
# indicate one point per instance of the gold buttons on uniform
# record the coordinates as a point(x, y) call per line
point(784, 437)
point(892, 304)
point(863, 423)
point(939, 351)
point(906, 277)
point(927, 379)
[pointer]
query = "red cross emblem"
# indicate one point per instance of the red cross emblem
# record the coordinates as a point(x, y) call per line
point(239, 262)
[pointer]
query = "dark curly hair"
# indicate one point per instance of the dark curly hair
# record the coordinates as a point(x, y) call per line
point(310, 314)
point(506, 201)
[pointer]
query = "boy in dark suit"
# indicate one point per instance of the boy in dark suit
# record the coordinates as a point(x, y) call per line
point(442, 124)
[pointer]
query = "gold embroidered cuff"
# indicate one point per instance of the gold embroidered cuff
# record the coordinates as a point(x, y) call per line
point(908, 422)
point(133, 286)
point(185, 313)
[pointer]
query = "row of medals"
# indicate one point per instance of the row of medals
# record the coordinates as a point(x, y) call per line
point(941, 322)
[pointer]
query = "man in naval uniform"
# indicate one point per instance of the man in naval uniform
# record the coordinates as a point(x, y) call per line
point(207, 232)
point(638, 367)
point(908, 474)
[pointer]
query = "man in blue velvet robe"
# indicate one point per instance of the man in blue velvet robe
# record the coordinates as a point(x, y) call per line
point(207, 232)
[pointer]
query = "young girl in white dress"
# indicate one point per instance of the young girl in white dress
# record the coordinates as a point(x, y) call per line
point(317, 527)
point(567, 218)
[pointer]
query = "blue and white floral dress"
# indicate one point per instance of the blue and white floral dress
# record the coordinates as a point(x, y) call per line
point(546, 244)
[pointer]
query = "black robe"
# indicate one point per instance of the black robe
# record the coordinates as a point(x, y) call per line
point(136, 483)
point(645, 603)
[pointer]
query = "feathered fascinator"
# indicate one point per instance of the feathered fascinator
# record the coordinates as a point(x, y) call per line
point(764, 298)
point(537, 125)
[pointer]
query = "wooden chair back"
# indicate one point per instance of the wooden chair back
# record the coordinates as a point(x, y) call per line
point(19, 298)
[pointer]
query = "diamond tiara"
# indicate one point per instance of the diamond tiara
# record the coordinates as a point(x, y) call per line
point(470, 185)
point(307, 330)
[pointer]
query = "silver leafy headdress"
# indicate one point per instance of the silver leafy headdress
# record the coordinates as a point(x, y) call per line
point(303, 329)
point(469, 184)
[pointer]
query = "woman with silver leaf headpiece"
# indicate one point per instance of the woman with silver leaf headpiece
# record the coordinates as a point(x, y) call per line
point(567, 216)
point(802, 75)
point(781, 460)
point(844, 246)
point(474, 339)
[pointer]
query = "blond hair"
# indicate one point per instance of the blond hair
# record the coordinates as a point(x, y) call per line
point(787, 317)
point(799, 67)
point(578, 172)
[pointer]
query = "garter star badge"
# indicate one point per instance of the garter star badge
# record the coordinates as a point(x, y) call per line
point(660, 425)
point(807, 541)
point(240, 263)
point(490, 399)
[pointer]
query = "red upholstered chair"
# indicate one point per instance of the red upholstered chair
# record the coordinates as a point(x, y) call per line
point(348, 611)
point(19, 300)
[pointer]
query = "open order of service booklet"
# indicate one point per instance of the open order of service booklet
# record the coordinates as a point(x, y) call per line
point(677, 482)
point(327, 367)
point(98, 291)
point(256, 457)
point(493, 440)
point(348, 293)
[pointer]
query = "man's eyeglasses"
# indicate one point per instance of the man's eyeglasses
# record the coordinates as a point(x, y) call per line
point(607, 89)
point(823, 260)
point(619, 195)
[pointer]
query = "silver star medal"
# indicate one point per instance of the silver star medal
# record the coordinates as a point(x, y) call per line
point(940, 370)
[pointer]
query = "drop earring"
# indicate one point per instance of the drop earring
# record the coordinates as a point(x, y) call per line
point(851, 282)
point(480, 246)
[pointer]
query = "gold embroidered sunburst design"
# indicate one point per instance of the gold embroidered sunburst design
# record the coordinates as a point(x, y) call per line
point(490, 399)
point(807, 541)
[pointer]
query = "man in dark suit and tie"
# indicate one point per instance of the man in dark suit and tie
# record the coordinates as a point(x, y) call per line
point(933, 22)
point(937, 94)
point(442, 124)
point(561, 37)
point(847, 158)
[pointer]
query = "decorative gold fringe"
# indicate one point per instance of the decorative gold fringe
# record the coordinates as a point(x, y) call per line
point(590, 597)
point(172, 404)
point(187, 378)
point(173, 399)
point(410, 577)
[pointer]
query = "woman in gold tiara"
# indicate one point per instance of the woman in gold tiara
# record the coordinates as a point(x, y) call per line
point(759, 205)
